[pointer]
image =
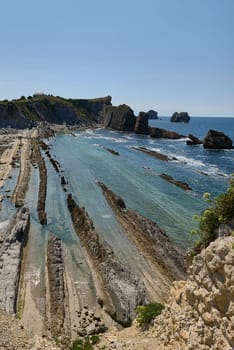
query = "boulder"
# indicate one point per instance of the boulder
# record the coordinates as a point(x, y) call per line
point(193, 140)
point(181, 117)
point(217, 140)
point(120, 118)
point(165, 134)
point(152, 114)
point(142, 126)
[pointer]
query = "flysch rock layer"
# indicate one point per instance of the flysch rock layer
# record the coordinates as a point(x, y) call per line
point(122, 289)
point(38, 159)
point(149, 238)
point(55, 270)
point(20, 191)
point(11, 255)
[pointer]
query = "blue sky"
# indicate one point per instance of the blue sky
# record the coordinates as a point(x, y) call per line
point(169, 55)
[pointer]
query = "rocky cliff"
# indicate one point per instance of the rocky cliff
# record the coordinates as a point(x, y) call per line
point(25, 113)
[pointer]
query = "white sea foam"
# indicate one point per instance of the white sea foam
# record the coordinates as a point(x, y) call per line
point(106, 216)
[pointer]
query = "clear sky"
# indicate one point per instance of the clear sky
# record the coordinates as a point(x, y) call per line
point(168, 55)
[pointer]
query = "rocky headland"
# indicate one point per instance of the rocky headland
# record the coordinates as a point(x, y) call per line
point(41, 108)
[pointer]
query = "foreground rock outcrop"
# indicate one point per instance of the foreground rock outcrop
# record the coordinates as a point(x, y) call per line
point(200, 313)
point(119, 118)
point(217, 140)
point(122, 291)
point(11, 255)
point(181, 117)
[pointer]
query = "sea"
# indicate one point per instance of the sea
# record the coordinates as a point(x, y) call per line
point(134, 176)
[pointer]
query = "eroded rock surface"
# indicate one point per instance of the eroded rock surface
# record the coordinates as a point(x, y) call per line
point(11, 255)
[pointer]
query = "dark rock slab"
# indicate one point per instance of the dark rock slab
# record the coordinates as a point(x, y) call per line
point(180, 184)
point(181, 117)
point(193, 140)
point(217, 140)
point(165, 134)
point(154, 154)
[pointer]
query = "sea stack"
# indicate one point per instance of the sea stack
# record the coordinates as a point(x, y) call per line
point(142, 125)
point(120, 118)
point(181, 117)
point(217, 140)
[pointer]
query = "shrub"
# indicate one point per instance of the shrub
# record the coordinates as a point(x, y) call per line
point(85, 343)
point(221, 211)
point(147, 313)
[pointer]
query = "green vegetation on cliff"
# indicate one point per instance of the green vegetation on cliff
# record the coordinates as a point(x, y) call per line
point(221, 211)
point(25, 112)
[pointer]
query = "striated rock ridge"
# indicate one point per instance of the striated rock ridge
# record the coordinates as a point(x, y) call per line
point(119, 118)
point(11, 255)
point(123, 290)
point(23, 155)
point(200, 312)
point(217, 140)
point(155, 154)
point(181, 117)
point(150, 239)
point(55, 269)
point(142, 124)
point(175, 182)
point(38, 159)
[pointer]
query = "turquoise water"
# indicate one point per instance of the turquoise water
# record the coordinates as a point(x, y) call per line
point(135, 176)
